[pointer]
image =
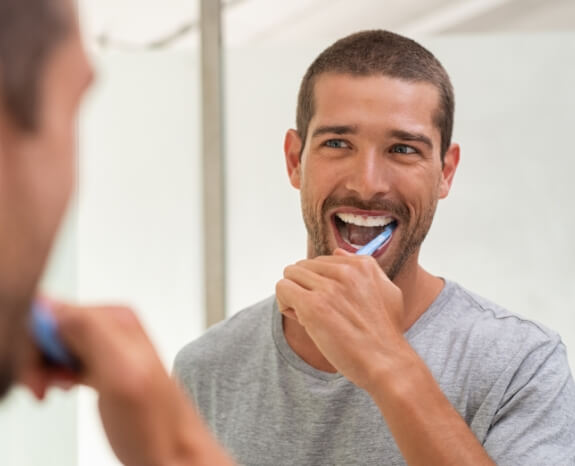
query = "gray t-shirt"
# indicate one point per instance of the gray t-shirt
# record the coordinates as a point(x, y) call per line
point(508, 378)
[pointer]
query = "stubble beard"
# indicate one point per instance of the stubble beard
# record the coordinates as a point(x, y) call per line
point(318, 228)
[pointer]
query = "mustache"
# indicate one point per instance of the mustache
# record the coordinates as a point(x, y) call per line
point(396, 209)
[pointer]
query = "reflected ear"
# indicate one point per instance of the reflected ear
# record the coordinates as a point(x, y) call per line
point(450, 163)
point(292, 151)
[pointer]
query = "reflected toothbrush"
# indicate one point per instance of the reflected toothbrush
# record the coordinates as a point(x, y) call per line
point(45, 332)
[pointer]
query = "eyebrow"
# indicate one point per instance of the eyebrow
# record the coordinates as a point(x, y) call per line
point(396, 133)
point(407, 136)
point(334, 129)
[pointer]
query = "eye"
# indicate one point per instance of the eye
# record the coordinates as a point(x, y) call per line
point(336, 144)
point(403, 149)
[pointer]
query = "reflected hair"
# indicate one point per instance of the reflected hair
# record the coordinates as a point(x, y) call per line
point(29, 32)
point(379, 52)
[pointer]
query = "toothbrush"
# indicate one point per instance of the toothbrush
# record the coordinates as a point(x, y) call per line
point(378, 241)
point(45, 332)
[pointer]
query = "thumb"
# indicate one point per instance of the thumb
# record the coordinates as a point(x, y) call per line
point(342, 252)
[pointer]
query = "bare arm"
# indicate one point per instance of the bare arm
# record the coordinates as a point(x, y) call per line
point(426, 427)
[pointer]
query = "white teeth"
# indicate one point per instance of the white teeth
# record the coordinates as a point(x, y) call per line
point(364, 220)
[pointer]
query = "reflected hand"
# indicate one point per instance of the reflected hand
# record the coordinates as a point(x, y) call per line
point(147, 418)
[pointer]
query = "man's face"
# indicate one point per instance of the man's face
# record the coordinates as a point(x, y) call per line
point(372, 156)
point(36, 182)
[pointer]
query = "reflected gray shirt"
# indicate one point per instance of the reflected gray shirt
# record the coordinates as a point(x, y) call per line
point(506, 376)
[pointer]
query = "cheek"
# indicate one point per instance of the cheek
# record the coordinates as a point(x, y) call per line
point(64, 171)
point(324, 177)
point(312, 183)
point(418, 191)
point(59, 176)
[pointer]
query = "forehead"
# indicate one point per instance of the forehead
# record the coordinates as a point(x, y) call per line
point(375, 101)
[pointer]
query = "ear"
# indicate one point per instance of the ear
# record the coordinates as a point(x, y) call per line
point(450, 163)
point(292, 151)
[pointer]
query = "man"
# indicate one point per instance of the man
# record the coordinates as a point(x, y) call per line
point(43, 74)
point(373, 360)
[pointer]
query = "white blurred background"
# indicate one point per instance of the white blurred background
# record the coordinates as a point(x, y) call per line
point(134, 233)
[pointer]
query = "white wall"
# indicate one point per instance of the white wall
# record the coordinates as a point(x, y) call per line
point(139, 226)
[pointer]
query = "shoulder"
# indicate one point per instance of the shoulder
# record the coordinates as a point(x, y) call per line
point(490, 321)
point(495, 343)
point(227, 341)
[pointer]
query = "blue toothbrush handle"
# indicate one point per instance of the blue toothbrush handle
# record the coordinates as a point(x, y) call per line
point(376, 242)
point(45, 332)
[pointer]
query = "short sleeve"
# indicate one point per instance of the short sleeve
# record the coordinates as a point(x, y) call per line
point(535, 423)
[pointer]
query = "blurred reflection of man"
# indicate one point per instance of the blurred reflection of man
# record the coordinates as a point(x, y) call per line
point(44, 73)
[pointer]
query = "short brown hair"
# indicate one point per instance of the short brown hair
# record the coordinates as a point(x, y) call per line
point(375, 52)
point(29, 31)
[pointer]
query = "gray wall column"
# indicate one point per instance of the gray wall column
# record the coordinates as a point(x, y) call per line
point(213, 161)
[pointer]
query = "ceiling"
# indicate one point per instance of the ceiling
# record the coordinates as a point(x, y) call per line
point(174, 23)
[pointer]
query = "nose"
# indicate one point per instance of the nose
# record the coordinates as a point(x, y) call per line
point(368, 176)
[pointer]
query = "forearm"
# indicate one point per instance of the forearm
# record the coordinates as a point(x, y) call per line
point(193, 444)
point(426, 427)
point(171, 430)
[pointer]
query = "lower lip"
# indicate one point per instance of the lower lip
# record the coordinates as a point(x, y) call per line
point(348, 247)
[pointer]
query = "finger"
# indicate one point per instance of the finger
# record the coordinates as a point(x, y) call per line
point(38, 380)
point(338, 268)
point(305, 274)
point(342, 253)
point(35, 381)
point(351, 266)
point(290, 314)
point(290, 296)
point(84, 327)
point(97, 335)
point(344, 257)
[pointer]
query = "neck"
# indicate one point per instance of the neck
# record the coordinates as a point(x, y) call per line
point(419, 289)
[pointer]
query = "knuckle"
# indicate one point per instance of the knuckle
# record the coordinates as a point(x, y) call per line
point(316, 301)
point(366, 261)
point(281, 284)
point(75, 321)
point(288, 270)
point(320, 302)
point(331, 288)
point(279, 287)
point(124, 316)
point(344, 272)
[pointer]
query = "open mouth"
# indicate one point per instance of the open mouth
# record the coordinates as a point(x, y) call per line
point(356, 230)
